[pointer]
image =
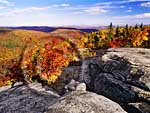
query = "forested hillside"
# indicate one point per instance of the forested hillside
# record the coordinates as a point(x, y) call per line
point(128, 36)
point(35, 56)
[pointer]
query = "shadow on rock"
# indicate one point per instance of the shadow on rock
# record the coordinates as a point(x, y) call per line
point(26, 99)
point(116, 78)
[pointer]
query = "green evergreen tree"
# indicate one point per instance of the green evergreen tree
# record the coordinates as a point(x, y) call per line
point(96, 40)
point(136, 26)
point(127, 28)
point(110, 26)
point(126, 31)
point(117, 34)
point(141, 26)
point(110, 34)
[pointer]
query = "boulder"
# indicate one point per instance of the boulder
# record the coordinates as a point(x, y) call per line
point(84, 102)
point(81, 87)
point(26, 99)
point(75, 86)
point(140, 107)
point(105, 84)
point(68, 77)
point(117, 73)
point(138, 59)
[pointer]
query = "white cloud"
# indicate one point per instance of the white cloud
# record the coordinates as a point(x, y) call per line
point(122, 6)
point(30, 9)
point(138, 16)
point(104, 3)
point(65, 5)
point(69, 14)
point(27, 20)
point(95, 10)
point(129, 10)
point(130, 1)
point(4, 2)
point(78, 12)
point(23, 10)
point(137, 0)
point(144, 15)
point(107, 5)
point(121, 2)
point(33, 9)
point(91, 9)
point(61, 5)
point(2, 7)
point(146, 4)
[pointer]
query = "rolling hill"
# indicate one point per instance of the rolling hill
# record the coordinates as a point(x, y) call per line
point(13, 41)
point(68, 33)
point(51, 29)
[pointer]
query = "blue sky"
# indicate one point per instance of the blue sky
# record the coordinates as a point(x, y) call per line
point(73, 12)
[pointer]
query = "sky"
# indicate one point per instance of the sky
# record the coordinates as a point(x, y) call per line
point(73, 12)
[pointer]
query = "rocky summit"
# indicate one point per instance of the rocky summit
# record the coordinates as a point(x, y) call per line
point(85, 102)
point(115, 81)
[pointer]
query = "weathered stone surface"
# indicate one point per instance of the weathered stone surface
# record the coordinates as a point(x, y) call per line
point(26, 99)
point(116, 73)
point(122, 75)
point(35, 99)
point(68, 74)
point(89, 70)
point(138, 108)
point(139, 59)
point(75, 86)
point(72, 85)
point(84, 102)
point(81, 87)
point(114, 89)
point(108, 79)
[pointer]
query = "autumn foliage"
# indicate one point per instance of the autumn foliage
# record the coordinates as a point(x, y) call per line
point(34, 55)
point(47, 61)
point(38, 60)
point(114, 37)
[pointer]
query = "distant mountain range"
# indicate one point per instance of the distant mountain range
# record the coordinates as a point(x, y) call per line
point(51, 29)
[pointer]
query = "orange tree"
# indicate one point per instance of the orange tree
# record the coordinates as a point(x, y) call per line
point(138, 36)
point(46, 62)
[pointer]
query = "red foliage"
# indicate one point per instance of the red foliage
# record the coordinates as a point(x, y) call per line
point(47, 61)
point(115, 43)
point(4, 81)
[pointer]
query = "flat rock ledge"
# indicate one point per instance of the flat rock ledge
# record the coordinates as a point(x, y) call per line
point(26, 99)
point(35, 99)
point(84, 102)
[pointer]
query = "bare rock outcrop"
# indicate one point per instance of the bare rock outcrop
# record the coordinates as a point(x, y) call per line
point(120, 74)
point(84, 102)
point(138, 58)
point(35, 99)
point(26, 99)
